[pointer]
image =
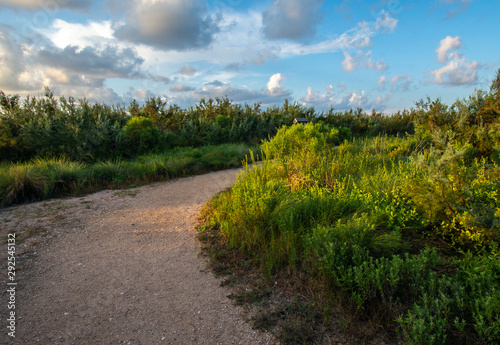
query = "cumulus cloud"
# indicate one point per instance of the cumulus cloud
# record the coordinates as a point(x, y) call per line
point(457, 70)
point(169, 24)
point(19, 70)
point(341, 101)
point(447, 44)
point(291, 19)
point(275, 88)
point(234, 92)
point(317, 99)
point(63, 33)
point(107, 63)
point(69, 71)
point(273, 92)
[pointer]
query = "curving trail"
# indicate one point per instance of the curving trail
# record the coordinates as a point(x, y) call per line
point(121, 267)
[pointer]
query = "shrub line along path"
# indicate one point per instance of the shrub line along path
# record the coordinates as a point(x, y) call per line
point(121, 267)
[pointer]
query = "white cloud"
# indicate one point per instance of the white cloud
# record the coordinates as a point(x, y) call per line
point(349, 63)
point(352, 44)
point(342, 101)
point(275, 88)
point(358, 99)
point(382, 80)
point(63, 34)
point(320, 100)
point(457, 70)
point(397, 83)
point(447, 44)
point(360, 61)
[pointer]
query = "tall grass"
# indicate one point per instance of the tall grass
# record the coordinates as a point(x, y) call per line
point(44, 178)
point(359, 218)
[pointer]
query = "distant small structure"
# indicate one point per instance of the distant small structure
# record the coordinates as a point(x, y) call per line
point(300, 120)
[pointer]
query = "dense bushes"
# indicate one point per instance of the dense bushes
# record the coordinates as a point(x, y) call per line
point(140, 135)
point(81, 131)
point(48, 127)
point(381, 221)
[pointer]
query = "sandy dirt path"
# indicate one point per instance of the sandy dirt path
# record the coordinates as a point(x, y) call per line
point(120, 267)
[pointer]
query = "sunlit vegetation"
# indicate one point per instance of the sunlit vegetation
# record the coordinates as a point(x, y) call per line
point(396, 216)
point(403, 229)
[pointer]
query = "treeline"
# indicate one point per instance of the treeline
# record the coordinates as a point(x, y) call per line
point(88, 132)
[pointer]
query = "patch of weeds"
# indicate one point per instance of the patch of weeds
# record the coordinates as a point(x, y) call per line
point(264, 321)
point(297, 331)
point(6, 220)
point(29, 232)
point(88, 204)
point(254, 297)
point(58, 217)
point(49, 208)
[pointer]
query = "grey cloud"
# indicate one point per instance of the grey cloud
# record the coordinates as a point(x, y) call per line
point(234, 67)
point(215, 83)
point(160, 79)
point(181, 88)
point(109, 62)
point(260, 57)
point(169, 25)
point(187, 70)
point(46, 5)
point(292, 19)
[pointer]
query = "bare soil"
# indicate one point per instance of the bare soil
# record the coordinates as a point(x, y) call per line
point(119, 267)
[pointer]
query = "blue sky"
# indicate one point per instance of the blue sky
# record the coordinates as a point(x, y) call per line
point(383, 55)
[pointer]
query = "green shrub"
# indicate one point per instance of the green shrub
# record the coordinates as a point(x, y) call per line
point(21, 183)
point(140, 135)
point(357, 217)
